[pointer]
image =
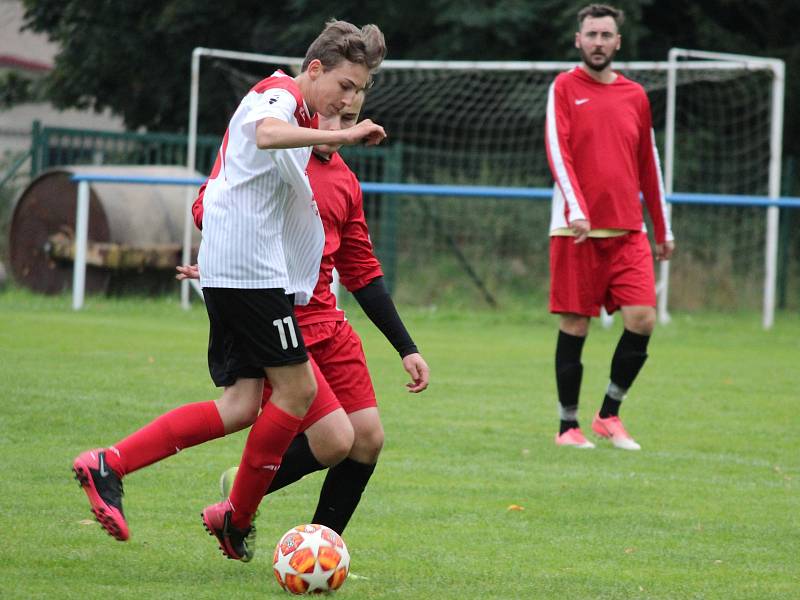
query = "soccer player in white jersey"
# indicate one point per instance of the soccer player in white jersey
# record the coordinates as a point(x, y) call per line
point(342, 429)
point(602, 153)
point(261, 251)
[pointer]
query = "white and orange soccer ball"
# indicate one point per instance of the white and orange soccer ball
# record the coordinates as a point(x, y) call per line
point(311, 559)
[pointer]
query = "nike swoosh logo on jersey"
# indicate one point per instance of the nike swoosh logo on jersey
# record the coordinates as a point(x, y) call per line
point(580, 101)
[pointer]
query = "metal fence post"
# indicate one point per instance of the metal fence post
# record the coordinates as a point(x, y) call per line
point(36, 148)
point(785, 232)
point(81, 235)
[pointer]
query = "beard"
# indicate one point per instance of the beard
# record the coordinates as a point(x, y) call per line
point(597, 66)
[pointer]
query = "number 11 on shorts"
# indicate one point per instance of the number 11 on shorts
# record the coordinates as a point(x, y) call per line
point(282, 331)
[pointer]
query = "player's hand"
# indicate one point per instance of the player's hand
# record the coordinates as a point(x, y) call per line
point(416, 366)
point(664, 251)
point(187, 272)
point(581, 229)
point(365, 132)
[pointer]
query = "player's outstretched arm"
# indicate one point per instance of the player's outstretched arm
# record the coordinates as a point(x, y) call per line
point(366, 132)
point(274, 134)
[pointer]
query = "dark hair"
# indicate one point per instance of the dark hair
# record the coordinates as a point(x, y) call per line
point(341, 41)
point(601, 10)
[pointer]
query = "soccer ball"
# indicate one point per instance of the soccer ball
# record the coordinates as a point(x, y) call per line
point(311, 559)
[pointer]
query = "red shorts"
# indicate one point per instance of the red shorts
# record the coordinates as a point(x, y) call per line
point(340, 368)
point(610, 272)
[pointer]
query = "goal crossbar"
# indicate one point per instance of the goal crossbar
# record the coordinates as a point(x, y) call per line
point(678, 59)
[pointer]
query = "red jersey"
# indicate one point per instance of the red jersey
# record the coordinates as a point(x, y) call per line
point(602, 153)
point(348, 248)
point(347, 244)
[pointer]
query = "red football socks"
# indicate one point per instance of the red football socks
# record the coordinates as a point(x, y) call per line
point(266, 444)
point(183, 427)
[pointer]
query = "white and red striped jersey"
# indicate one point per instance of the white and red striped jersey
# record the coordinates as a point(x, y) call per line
point(602, 154)
point(348, 247)
point(261, 226)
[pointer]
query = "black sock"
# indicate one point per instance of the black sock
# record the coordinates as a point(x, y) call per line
point(569, 373)
point(629, 357)
point(341, 493)
point(610, 407)
point(566, 426)
point(297, 462)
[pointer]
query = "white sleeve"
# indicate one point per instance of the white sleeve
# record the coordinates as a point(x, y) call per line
point(280, 104)
point(292, 163)
point(275, 103)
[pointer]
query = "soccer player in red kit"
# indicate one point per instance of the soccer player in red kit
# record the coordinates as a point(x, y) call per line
point(260, 254)
point(342, 429)
point(602, 154)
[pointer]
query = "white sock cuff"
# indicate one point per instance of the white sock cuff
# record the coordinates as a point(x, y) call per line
point(616, 392)
point(568, 413)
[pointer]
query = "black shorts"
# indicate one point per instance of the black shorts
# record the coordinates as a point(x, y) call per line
point(250, 330)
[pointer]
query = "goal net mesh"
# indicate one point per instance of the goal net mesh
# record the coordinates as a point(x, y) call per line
point(470, 126)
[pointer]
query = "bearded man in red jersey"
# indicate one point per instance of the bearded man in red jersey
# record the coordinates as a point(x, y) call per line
point(602, 154)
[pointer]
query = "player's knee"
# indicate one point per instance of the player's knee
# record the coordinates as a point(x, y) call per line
point(368, 445)
point(643, 323)
point(237, 411)
point(248, 415)
point(306, 391)
point(576, 325)
point(374, 441)
point(336, 447)
point(639, 319)
point(242, 415)
point(298, 393)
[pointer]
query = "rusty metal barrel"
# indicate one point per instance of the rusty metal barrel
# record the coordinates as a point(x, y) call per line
point(135, 231)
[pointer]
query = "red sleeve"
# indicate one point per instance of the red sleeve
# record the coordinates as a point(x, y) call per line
point(650, 180)
point(559, 156)
point(355, 259)
point(197, 207)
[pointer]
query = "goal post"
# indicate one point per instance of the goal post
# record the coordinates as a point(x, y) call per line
point(777, 69)
point(717, 117)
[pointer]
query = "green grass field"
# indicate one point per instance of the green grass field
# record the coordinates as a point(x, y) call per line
point(709, 509)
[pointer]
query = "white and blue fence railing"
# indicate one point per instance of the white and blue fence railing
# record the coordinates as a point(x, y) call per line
point(406, 189)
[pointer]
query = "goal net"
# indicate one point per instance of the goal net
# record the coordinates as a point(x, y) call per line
point(482, 123)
